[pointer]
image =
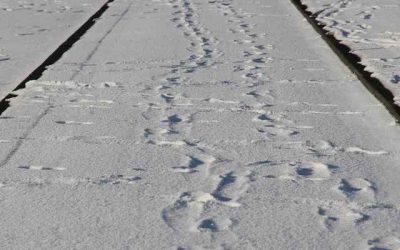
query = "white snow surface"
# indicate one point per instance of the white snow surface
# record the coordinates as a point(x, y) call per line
point(371, 28)
point(191, 124)
point(32, 29)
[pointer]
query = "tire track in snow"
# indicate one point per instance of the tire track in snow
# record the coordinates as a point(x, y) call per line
point(100, 41)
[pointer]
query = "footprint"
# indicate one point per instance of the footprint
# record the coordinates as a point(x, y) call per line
point(173, 80)
point(258, 94)
point(190, 166)
point(263, 47)
point(253, 76)
point(255, 35)
point(329, 221)
point(334, 215)
point(277, 132)
point(198, 163)
point(264, 116)
point(183, 214)
point(357, 189)
point(254, 93)
point(322, 148)
point(315, 171)
point(214, 224)
point(247, 54)
point(208, 225)
point(258, 60)
point(230, 188)
point(148, 132)
point(168, 98)
point(385, 243)
point(172, 120)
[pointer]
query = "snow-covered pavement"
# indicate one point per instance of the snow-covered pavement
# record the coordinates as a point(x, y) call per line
point(189, 124)
point(371, 29)
point(32, 30)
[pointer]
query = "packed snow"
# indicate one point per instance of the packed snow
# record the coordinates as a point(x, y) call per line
point(191, 124)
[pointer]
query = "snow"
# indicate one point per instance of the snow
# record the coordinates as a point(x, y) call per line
point(190, 124)
point(371, 29)
point(32, 30)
